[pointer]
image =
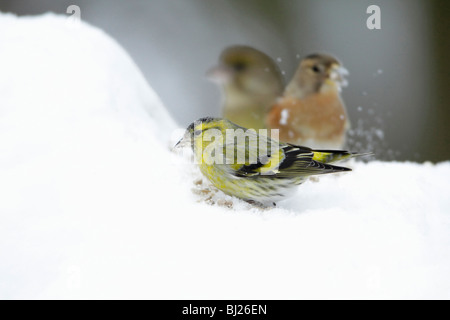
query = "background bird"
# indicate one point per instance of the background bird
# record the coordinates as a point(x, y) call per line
point(251, 81)
point(311, 111)
point(264, 174)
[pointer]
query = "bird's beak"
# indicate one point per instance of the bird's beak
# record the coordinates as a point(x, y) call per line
point(220, 74)
point(179, 144)
point(184, 142)
point(337, 74)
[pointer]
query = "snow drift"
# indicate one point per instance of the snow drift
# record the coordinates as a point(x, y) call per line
point(93, 204)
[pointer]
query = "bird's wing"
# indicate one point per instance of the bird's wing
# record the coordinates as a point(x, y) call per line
point(259, 155)
point(299, 161)
point(330, 156)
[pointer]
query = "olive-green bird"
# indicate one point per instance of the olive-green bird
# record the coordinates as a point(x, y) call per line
point(265, 171)
point(251, 81)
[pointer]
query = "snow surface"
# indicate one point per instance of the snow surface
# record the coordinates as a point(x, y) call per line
point(94, 205)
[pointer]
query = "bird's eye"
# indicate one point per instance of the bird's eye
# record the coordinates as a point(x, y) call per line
point(197, 132)
point(239, 66)
point(316, 68)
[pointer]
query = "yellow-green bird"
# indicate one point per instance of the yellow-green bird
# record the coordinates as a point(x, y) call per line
point(251, 82)
point(253, 166)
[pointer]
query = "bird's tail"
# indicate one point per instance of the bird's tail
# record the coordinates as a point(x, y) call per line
point(330, 156)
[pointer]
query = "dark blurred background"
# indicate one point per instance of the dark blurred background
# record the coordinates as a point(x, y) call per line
point(399, 85)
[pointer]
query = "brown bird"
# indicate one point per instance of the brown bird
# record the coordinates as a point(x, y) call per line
point(311, 111)
point(251, 82)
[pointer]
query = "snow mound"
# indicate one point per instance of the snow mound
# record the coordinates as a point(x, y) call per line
point(95, 206)
point(72, 68)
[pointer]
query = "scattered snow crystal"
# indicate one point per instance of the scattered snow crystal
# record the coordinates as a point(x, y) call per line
point(284, 117)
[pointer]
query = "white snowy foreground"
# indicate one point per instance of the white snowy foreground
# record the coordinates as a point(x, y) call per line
point(93, 204)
